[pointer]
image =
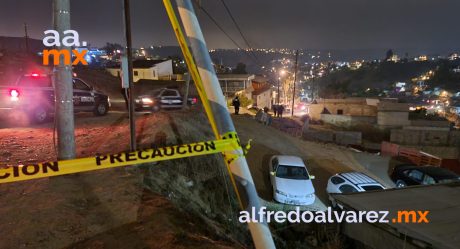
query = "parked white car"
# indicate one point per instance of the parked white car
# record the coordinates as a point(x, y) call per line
point(351, 182)
point(291, 181)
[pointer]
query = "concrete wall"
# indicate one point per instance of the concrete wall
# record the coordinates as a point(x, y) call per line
point(347, 121)
point(425, 137)
point(392, 119)
point(263, 100)
point(352, 109)
point(430, 123)
point(391, 106)
point(320, 136)
point(338, 137)
point(348, 137)
point(163, 69)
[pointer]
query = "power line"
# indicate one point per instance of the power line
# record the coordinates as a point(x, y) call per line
point(226, 34)
point(239, 29)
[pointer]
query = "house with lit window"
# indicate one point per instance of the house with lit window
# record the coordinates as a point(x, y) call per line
point(147, 70)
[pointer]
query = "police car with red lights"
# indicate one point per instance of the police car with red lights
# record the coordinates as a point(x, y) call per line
point(34, 95)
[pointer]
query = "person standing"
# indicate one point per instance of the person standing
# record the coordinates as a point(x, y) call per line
point(280, 111)
point(275, 110)
point(236, 105)
point(124, 92)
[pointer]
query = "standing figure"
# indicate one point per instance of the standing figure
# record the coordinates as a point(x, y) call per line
point(236, 104)
point(125, 93)
point(280, 111)
point(275, 110)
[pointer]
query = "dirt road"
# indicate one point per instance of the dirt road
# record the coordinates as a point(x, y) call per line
point(323, 160)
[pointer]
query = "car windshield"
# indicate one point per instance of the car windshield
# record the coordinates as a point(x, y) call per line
point(372, 187)
point(35, 81)
point(292, 172)
point(155, 93)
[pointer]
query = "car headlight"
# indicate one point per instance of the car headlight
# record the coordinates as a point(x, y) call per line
point(147, 101)
point(281, 193)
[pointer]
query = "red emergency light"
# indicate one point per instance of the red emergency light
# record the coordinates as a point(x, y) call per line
point(14, 93)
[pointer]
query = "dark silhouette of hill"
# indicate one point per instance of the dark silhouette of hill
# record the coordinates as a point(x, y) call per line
point(376, 75)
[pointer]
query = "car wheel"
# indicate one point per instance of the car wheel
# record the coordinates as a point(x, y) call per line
point(39, 115)
point(156, 108)
point(400, 184)
point(101, 109)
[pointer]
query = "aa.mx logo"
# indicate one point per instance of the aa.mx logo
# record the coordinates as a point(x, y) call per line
point(70, 39)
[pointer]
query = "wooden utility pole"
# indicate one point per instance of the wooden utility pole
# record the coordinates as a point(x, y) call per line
point(295, 79)
point(26, 36)
point(129, 55)
point(62, 81)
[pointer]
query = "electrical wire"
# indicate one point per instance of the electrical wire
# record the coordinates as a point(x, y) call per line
point(226, 34)
point(239, 30)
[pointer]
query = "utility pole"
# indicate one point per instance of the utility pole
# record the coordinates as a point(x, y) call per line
point(187, 86)
point(278, 95)
point(239, 168)
point(129, 55)
point(26, 35)
point(62, 81)
point(295, 79)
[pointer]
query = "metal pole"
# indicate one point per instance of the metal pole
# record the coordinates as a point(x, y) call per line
point(129, 49)
point(295, 79)
point(278, 97)
point(62, 81)
point(187, 85)
point(26, 37)
point(260, 232)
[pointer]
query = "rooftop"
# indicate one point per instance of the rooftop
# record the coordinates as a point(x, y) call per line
point(235, 76)
point(443, 202)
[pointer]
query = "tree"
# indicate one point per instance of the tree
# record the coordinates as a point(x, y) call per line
point(240, 68)
point(178, 66)
point(110, 48)
point(389, 54)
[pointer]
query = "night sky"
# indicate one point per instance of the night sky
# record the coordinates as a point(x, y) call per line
point(425, 25)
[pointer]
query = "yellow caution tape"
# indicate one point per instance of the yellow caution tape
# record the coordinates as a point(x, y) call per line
point(56, 168)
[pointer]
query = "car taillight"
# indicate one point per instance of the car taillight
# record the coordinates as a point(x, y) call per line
point(194, 100)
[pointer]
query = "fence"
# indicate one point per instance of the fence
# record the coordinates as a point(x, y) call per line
point(415, 156)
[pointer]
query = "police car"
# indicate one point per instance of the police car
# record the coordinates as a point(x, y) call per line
point(34, 94)
point(163, 98)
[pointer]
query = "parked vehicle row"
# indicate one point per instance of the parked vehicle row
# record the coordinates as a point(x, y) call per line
point(292, 182)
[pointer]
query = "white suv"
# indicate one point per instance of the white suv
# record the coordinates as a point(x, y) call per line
point(351, 182)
